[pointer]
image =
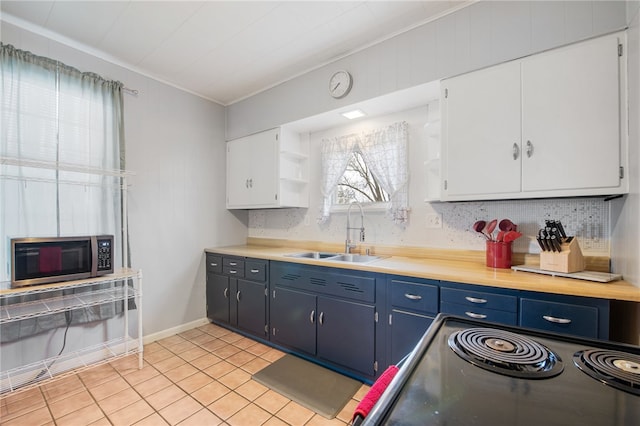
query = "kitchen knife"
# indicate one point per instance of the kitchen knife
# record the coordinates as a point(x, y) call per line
point(541, 244)
point(561, 229)
point(555, 243)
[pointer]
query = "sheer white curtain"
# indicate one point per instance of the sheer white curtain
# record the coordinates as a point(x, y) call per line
point(385, 151)
point(336, 153)
point(55, 120)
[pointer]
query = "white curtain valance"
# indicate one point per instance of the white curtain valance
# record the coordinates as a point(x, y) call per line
point(385, 151)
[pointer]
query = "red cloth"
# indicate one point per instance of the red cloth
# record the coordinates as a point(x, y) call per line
point(50, 259)
point(370, 399)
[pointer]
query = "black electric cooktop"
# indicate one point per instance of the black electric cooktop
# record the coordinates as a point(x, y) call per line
point(466, 372)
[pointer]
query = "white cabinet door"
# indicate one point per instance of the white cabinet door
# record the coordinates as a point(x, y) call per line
point(481, 130)
point(252, 171)
point(571, 117)
point(550, 125)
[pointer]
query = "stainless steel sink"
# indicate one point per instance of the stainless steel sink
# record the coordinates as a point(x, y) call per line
point(337, 257)
point(354, 258)
point(313, 255)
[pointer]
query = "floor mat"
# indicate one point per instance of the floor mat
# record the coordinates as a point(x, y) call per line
point(312, 386)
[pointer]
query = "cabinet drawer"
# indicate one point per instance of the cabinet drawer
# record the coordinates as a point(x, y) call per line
point(214, 263)
point(479, 313)
point(564, 318)
point(414, 296)
point(478, 299)
point(233, 267)
point(255, 270)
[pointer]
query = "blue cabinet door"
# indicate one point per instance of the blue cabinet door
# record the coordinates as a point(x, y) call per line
point(346, 334)
point(293, 319)
point(406, 330)
point(218, 292)
point(251, 307)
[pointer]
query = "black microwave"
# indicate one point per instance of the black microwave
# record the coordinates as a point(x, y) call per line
point(48, 260)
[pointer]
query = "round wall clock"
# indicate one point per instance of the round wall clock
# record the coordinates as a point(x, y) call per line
point(340, 84)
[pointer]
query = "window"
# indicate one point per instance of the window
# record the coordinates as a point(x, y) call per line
point(368, 166)
point(359, 184)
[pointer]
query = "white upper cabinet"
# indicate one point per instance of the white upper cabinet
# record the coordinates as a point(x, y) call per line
point(267, 170)
point(549, 125)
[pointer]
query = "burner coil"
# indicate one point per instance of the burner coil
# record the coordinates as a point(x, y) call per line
point(505, 353)
point(618, 369)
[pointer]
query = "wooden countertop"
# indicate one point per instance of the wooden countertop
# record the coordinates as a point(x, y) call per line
point(469, 272)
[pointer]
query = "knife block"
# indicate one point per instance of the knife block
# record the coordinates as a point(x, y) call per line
point(568, 260)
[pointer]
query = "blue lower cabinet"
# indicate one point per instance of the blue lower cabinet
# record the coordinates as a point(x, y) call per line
point(235, 300)
point(218, 291)
point(406, 330)
point(325, 314)
point(412, 305)
point(578, 316)
point(480, 302)
point(251, 312)
point(346, 334)
point(477, 313)
point(293, 319)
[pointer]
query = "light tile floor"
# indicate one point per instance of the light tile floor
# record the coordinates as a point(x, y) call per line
point(196, 378)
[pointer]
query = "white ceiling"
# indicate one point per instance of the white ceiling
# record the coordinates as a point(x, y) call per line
point(224, 51)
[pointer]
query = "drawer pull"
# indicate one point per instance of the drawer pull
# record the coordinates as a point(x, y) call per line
point(476, 300)
point(312, 317)
point(226, 293)
point(233, 271)
point(413, 296)
point(213, 264)
point(233, 264)
point(255, 271)
point(475, 316)
point(557, 320)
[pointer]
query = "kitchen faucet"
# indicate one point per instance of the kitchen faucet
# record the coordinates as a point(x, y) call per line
point(348, 245)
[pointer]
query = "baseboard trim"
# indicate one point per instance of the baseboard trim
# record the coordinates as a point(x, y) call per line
point(150, 338)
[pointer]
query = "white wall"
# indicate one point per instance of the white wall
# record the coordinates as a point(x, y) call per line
point(483, 34)
point(175, 146)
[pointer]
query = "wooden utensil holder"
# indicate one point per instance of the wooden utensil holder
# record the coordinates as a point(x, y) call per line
point(569, 259)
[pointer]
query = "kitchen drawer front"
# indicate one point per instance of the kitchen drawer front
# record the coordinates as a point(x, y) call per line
point(478, 313)
point(323, 280)
point(214, 263)
point(578, 320)
point(256, 270)
point(414, 296)
point(479, 299)
point(233, 267)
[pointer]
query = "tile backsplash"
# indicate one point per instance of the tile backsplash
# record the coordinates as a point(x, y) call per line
point(586, 218)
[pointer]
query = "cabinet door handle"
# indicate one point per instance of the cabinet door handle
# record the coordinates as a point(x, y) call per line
point(251, 183)
point(413, 296)
point(474, 315)
point(213, 264)
point(516, 151)
point(233, 271)
point(226, 293)
point(238, 296)
point(529, 149)
point(312, 317)
point(557, 320)
point(476, 300)
point(255, 271)
point(321, 318)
